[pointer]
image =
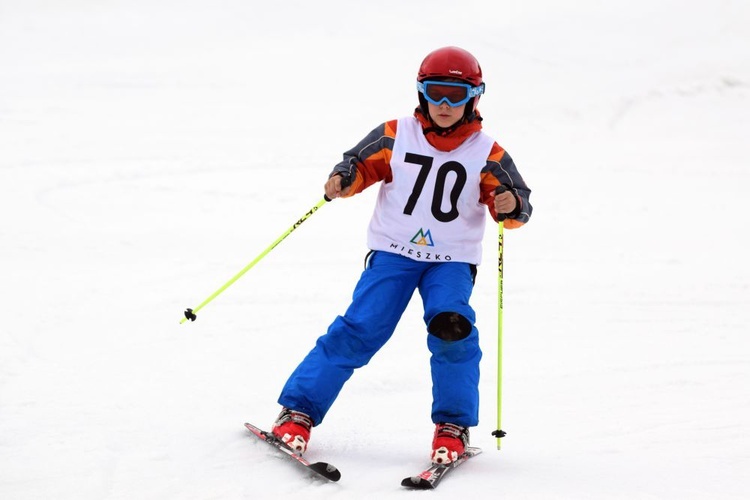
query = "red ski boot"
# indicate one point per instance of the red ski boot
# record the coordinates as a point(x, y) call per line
point(449, 443)
point(293, 428)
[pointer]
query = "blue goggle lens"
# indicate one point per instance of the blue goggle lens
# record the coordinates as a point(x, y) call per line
point(453, 93)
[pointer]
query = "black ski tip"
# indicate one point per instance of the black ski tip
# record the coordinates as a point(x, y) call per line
point(328, 471)
point(417, 483)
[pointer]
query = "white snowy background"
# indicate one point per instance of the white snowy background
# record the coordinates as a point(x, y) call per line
point(150, 149)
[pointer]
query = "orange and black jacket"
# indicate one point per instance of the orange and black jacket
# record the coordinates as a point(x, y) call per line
point(369, 162)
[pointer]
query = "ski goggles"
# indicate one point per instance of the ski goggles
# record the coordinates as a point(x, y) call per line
point(453, 93)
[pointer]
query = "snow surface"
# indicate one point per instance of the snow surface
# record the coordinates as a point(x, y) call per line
point(149, 150)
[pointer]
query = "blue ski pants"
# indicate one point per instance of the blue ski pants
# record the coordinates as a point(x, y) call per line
point(379, 299)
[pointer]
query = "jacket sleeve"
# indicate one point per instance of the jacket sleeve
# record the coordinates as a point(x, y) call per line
point(370, 160)
point(500, 169)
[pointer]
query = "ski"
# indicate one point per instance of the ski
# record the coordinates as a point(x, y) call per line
point(321, 469)
point(429, 478)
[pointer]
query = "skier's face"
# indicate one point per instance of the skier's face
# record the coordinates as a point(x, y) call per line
point(445, 116)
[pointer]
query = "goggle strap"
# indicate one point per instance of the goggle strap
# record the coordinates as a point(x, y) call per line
point(478, 90)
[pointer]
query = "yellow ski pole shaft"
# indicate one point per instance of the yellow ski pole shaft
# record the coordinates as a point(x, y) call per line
point(190, 314)
point(499, 433)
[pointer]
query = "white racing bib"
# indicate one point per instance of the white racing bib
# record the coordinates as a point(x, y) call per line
point(431, 211)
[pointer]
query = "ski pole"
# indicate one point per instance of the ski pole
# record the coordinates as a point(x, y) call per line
point(499, 433)
point(190, 314)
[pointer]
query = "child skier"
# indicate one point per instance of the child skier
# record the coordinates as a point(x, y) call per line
point(439, 173)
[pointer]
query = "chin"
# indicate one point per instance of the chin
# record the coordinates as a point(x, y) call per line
point(444, 123)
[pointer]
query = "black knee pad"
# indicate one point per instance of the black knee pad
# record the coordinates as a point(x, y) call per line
point(450, 326)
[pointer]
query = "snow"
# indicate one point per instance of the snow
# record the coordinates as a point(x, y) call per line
point(149, 150)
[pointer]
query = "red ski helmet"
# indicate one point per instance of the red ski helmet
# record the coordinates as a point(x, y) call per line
point(451, 63)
